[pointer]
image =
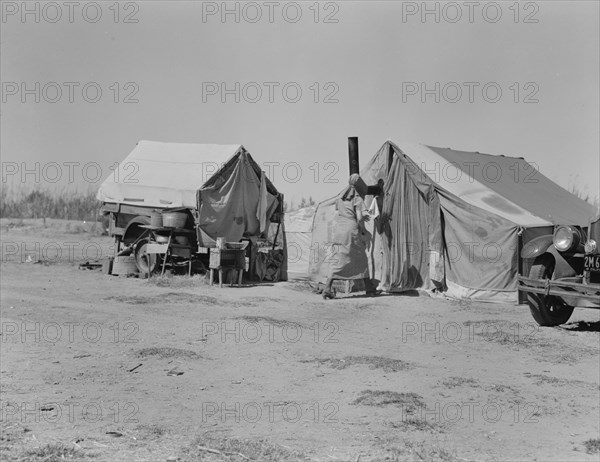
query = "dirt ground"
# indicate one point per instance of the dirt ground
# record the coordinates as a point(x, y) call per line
point(97, 367)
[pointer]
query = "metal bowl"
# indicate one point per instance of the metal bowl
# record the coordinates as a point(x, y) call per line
point(160, 239)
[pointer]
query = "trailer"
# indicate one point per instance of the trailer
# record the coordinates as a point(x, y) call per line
point(206, 192)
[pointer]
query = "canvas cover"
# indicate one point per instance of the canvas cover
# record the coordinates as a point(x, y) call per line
point(298, 235)
point(451, 220)
point(236, 199)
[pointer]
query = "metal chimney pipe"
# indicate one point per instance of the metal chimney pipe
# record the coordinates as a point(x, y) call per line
point(353, 155)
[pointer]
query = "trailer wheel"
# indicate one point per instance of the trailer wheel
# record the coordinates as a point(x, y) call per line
point(145, 262)
point(547, 310)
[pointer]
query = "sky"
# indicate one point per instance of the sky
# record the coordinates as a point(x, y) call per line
point(291, 81)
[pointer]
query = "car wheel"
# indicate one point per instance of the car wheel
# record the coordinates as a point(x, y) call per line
point(145, 262)
point(547, 310)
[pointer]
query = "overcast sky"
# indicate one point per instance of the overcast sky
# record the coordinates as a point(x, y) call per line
point(361, 68)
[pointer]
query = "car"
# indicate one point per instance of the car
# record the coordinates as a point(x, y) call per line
point(563, 272)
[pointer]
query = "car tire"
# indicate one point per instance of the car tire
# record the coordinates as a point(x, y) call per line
point(547, 310)
point(144, 261)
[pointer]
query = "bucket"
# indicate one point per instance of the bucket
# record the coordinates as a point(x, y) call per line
point(174, 219)
point(156, 219)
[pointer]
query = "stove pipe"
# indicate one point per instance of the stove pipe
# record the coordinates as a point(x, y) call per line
point(353, 155)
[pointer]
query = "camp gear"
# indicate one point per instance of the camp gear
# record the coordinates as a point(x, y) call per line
point(217, 186)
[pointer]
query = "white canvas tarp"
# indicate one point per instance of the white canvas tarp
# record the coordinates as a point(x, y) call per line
point(164, 175)
point(234, 199)
point(298, 235)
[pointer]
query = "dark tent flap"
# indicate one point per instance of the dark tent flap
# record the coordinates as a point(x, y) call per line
point(411, 228)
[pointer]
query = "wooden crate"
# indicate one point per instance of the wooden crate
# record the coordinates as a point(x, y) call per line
point(227, 258)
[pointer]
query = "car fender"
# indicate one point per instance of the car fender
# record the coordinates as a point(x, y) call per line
point(131, 230)
point(562, 267)
point(543, 244)
point(536, 247)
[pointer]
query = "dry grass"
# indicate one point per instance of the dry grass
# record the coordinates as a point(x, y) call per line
point(499, 388)
point(210, 449)
point(528, 337)
point(178, 282)
point(542, 379)
point(152, 431)
point(11, 432)
point(378, 398)
point(268, 320)
point(57, 452)
point(167, 353)
point(374, 362)
point(413, 423)
point(454, 382)
point(170, 297)
point(592, 446)
point(407, 450)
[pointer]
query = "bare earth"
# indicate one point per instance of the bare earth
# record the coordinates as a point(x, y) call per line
point(273, 372)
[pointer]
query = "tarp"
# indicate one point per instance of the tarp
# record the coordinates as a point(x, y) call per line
point(298, 233)
point(224, 179)
point(450, 220)
point(163, 175)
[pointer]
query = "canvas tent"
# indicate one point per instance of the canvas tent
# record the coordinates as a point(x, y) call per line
point(222, 184)
point(452, 221)
point(298, 236)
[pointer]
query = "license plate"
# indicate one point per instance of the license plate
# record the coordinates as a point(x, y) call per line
point(592, 262)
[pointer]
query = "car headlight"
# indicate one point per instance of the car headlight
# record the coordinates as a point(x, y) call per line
point(590, 246)
point(565, 238)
